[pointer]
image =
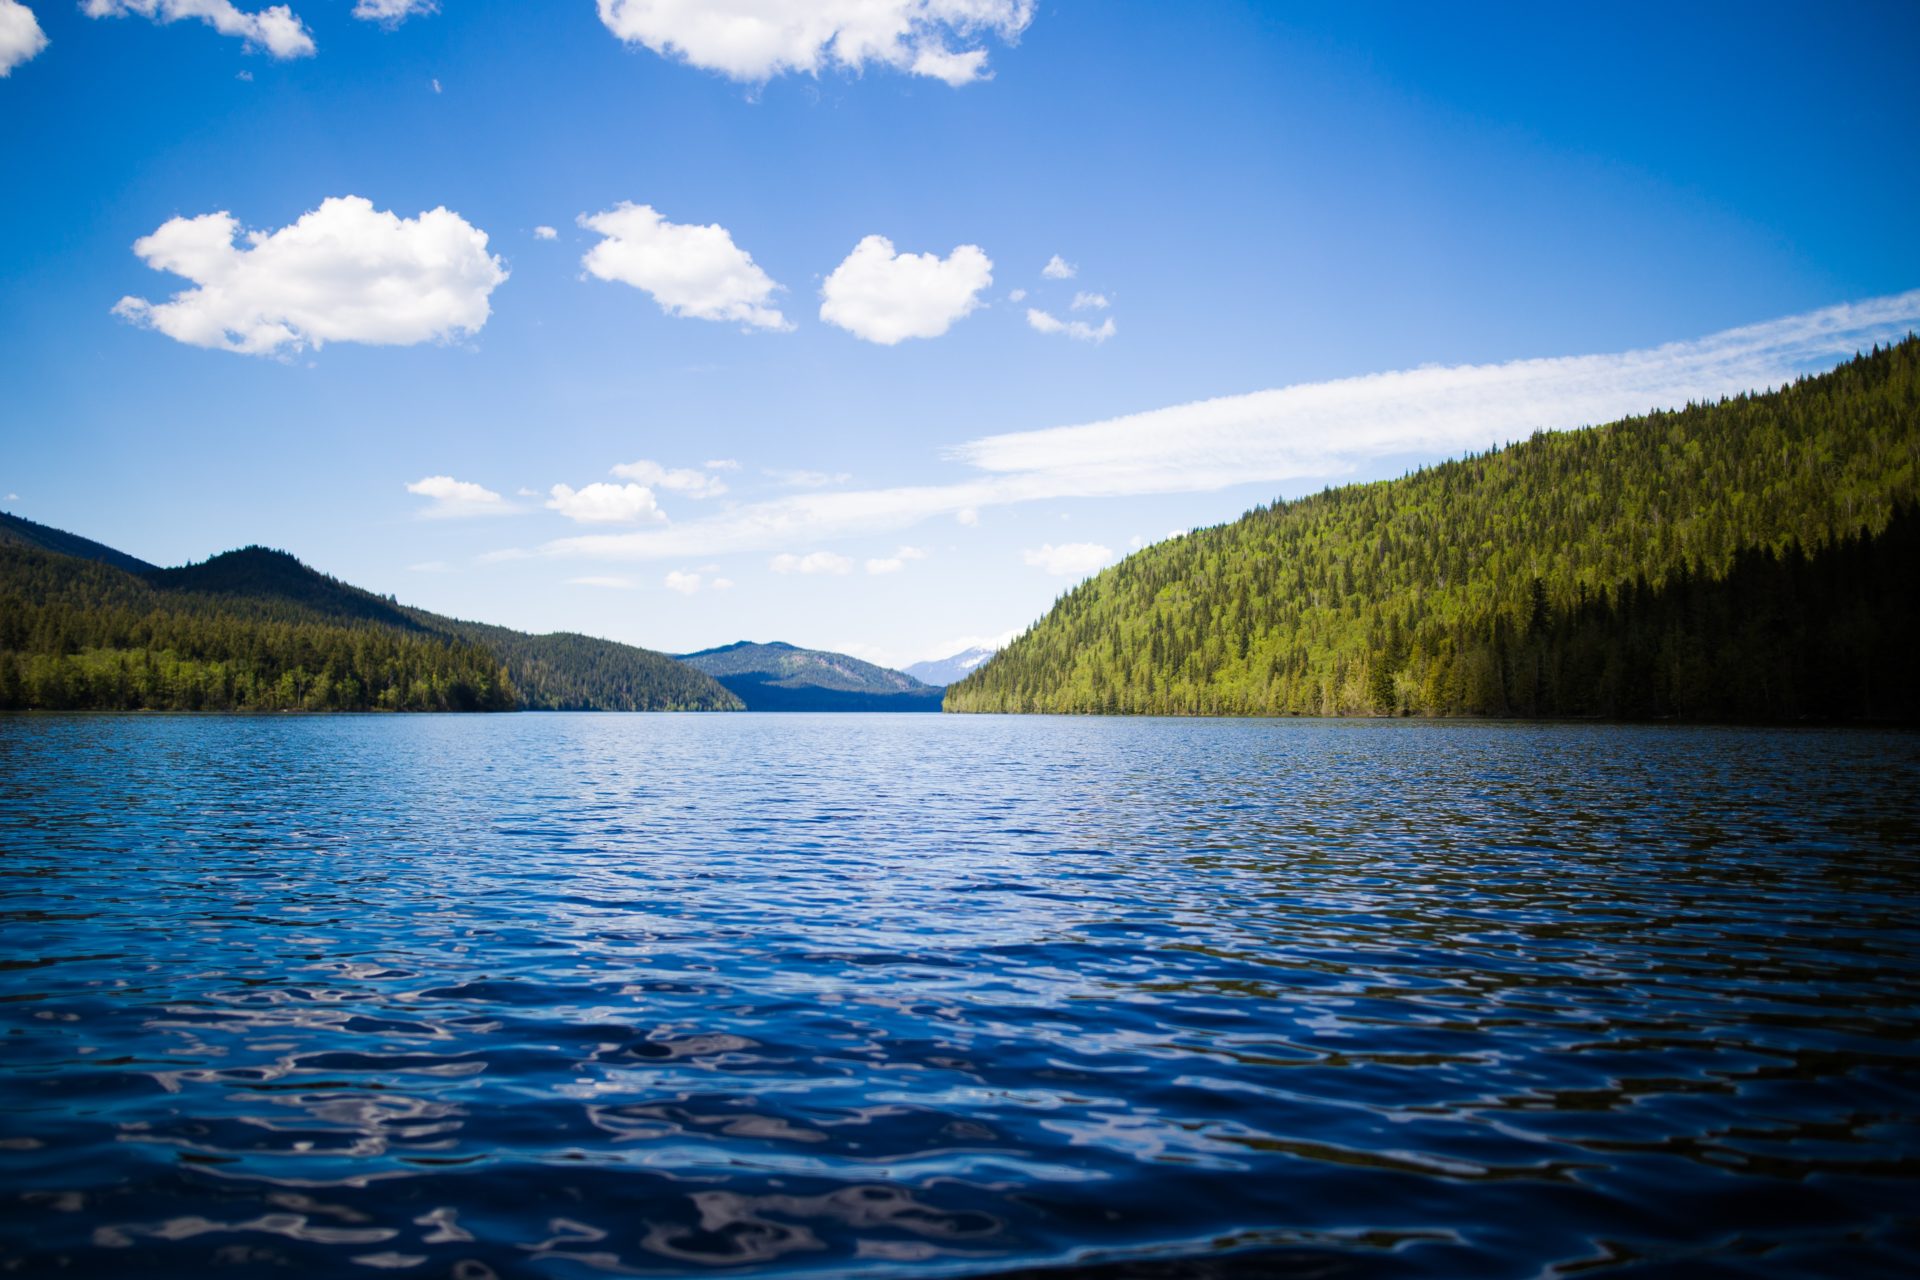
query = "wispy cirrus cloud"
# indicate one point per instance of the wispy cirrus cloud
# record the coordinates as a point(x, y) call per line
point(1310, 431)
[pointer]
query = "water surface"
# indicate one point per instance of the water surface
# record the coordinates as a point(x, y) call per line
point(567, 996)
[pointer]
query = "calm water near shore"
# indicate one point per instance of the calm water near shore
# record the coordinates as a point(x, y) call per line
point(570, 996)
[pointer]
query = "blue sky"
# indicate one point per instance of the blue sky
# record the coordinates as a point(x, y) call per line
point(1273, 201)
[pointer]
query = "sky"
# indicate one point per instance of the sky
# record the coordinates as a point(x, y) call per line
point(874, 325)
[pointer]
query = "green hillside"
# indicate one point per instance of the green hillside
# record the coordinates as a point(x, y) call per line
point(784, 677)
point(1738, 559)
point(255, 629)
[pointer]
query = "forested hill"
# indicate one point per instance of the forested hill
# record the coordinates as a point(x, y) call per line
point(257, 630)
point(1746, 559)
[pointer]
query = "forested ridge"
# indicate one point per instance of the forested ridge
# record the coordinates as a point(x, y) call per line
point(1748, 559)
point(257, 630)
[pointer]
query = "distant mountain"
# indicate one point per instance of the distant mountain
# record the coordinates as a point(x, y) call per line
point(83, 626)
point(784, 677)
point(945, 671)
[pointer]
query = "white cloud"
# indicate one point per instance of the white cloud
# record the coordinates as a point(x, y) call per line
point(453, 499)
point(1312, 432)
point(274, 29)
point(344, 272)
point(545, 233)
point(755, 40)
point(968, 515)
point(601, 503)
point(886, 297)
point(897, 561)
point(1069, 559)
point(803, 479)
point(690, 270)
point(1084, 301)
point(20, 35)
point(1058, 268)
point(695, 484)
point(609, 582)
point(1018, 295)
point(722, 464)
point(393, 12)
point(685, 583)
point(436, 84)
point(1076, 329)
point(815, 562)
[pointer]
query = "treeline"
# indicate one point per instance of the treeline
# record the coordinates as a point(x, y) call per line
point(565, 671)
point(1750, 559)
point(80, 636)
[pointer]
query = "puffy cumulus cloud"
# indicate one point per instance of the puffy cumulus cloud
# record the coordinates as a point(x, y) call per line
point(545, 233)
point(393, 12)
point(897, 561)
point(455, 499)
point(1079, 330)
point(815, 562)
point(886, 297)
point(346, 272)
point(20, 35)
point(1069, 559)
point(274, 29)
point(690, 270)
point(1058, 268)
point(755, 40)
point(695, 484)
point(685, 583)
point(1084, 301)
point(602, 503)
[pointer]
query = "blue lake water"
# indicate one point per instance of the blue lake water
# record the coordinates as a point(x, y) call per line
point(564, 996)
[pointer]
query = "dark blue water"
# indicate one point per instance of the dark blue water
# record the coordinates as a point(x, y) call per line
point(924, 996)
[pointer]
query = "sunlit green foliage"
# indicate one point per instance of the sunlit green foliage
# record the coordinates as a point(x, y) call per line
point(1449, 591)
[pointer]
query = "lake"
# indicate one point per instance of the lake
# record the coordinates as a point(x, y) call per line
point(859, 995)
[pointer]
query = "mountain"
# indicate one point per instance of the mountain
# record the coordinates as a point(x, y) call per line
point(945, 671)
point(783, 677)
point(85, 626)
point(1749, 559)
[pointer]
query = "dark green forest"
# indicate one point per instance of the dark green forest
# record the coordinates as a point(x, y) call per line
point(1750, 559)
point(83, 627)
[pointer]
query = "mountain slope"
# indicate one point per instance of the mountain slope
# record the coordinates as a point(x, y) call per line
point(20, 531)
point(1456, 589)
point(784, 677)
point(257, 629)
point(945, 671)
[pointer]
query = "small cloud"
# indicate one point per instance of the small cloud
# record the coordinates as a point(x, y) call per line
point(886, 297)
point(436, 84)
point(457, 499)
point(685, 583)
point(274, 29)
point(689, 270)
point(1058, 268)
point(1079, 330)
point(244, 75)
point(801, 479)
point(815, 562)
point(722, 464)
point(611, 583)
point(1084, 301)
point(1069, 559)
point(968, 515)
point(602, 503)
point(1018, 295)
point(695, 484)
point(13, 497)
point(897, 561)
point(20, 36)
point(391, 13)
point(1136, 542)
point(545, 233)
point(722, 584)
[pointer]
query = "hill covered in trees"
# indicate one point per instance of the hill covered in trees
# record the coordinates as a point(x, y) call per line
point(784, 677)
point(83, 626)
point(1753, 558)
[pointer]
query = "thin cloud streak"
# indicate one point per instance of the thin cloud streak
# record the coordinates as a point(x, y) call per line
point(1307, 431)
